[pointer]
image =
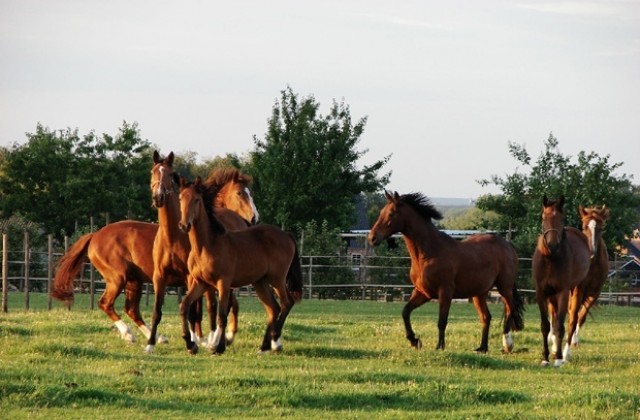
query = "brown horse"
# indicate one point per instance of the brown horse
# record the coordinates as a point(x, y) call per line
point(261, 255)
point(122, 254)
point(594, 220)
point(560, 264)
point(443, 268)
point(171, 246)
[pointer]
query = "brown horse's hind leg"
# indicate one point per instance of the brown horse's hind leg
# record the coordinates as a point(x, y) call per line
point(106, 303)
point(272, 308)
point(132, 296)
point(480, 302)
point(416, 300)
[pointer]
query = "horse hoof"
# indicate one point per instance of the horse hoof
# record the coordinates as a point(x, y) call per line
point(129, 338)
point(193, 349)
point(276, 346)
point(481, 350)
point(544, 363)
point(161, 339)
point(416, 344)
point(149, 348)
point(230, 337)
point(558, 362)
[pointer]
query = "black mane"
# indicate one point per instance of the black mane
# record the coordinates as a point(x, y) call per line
point(422, 205)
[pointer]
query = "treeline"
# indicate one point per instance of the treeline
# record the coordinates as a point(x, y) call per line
point(306, 178)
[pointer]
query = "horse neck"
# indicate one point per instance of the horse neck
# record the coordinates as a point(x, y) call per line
point(420, 236)
point(202, 236)
point(169, 216)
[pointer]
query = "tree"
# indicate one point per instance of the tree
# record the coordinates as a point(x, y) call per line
point(589, 181)
point(59, 179)
point(306, 167)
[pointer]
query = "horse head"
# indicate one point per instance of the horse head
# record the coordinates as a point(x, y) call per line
point(162, 178)
point(594, 220)
point(190, 203)
point(230, 189)
point(388, 221)
point(552, 223)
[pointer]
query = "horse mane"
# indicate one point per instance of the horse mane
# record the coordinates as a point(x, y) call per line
point(207, 197)
point(420, 203)
point(218, 178)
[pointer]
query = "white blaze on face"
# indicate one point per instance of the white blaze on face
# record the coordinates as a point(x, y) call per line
point(592, 228)
point(159, 189)
point(253, 206)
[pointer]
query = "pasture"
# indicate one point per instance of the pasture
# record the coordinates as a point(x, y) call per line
point(341, 359)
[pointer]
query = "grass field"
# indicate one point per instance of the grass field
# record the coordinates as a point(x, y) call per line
point(342, 359)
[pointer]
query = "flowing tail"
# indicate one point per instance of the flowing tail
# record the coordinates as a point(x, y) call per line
point(517, 316)
point(67, 269)
point(294, 276)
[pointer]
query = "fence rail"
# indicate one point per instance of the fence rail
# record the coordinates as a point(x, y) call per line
point(325, 277)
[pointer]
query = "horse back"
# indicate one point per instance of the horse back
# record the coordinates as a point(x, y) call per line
point(124, 248)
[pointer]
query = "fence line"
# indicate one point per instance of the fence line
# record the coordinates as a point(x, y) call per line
point(325, 277)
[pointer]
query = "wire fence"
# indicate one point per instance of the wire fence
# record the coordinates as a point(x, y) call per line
point(343, 277)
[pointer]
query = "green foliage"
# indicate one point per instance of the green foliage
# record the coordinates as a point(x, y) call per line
point(59, 179)
point(591, 180)
point(187, 164)
point(469, 218)
point(306, 167)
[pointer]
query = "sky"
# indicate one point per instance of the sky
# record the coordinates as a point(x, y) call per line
point(445, 86)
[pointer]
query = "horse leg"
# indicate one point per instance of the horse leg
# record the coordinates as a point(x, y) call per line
point(234, 308)
point(582, 317)
point(558, 325)
point(574, 309)
point(286, 303)
point(545, 326)
point(133, 295)
point(480, 303)
point(444, 303)
point(212, 309)
point(195, 292)
point(272, 309)
point(106, 303)
point(156, 316)
point(224, 291)
point(416, 300)
point(195, 320)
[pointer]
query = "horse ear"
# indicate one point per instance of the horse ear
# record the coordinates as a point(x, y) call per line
point(388, 196)
point(156, 157)
point(545, 200)
point(581, 210)
point(396, 196)
point(561, 202)
point(169, 159)
point(197, 182)
point(183, 182)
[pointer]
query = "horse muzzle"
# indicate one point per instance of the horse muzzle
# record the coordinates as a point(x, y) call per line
point(374, 239)
point(184, 227)
point(157, 200)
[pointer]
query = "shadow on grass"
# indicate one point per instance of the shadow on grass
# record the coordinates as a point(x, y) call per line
point(336, 353)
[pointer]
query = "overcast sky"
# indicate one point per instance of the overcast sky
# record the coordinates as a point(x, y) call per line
point(445, 85)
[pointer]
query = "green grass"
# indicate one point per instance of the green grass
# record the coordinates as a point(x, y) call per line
point(342, 359)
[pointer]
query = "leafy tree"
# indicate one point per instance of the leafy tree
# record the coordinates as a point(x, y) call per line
point(591, 180)
point(471, 218)
point(306, 167)
point(59, 179)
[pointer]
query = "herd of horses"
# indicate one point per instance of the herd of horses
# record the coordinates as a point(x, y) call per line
point(209, 241)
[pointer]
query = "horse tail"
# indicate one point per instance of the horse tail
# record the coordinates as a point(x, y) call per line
point(518, 310)
point(68, 267)
point(294, 275)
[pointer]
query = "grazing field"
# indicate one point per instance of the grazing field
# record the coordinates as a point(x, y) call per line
point(341, 359)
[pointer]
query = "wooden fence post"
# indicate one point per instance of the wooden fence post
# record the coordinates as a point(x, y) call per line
point(26, 270)
point(5, 273)
point(49, 270)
